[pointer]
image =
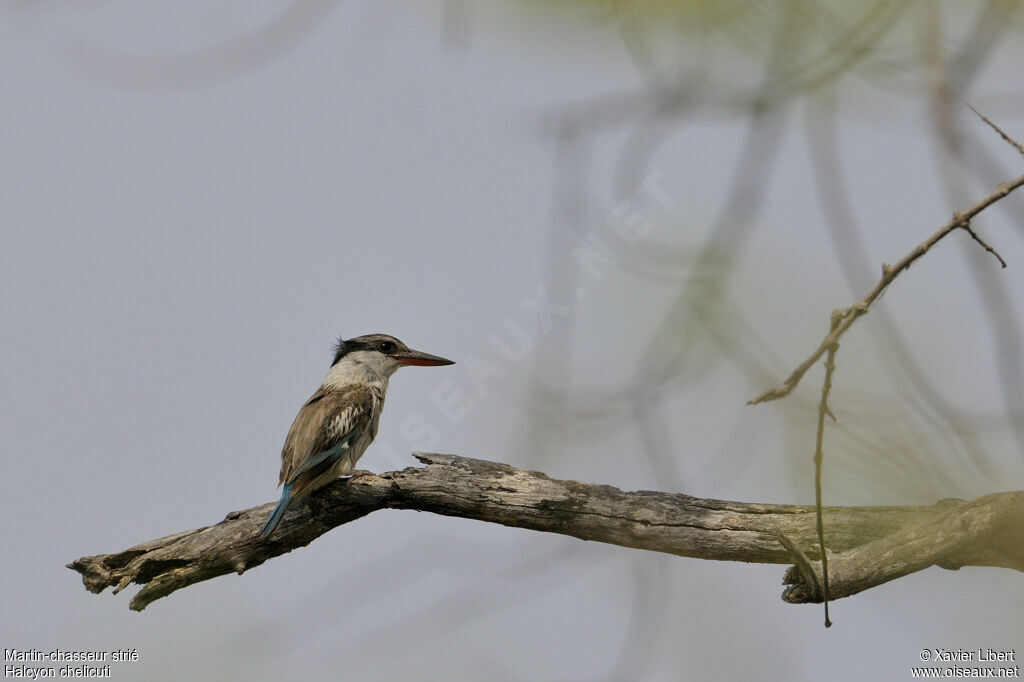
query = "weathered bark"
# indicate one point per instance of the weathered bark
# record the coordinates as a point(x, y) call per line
point(867, 545)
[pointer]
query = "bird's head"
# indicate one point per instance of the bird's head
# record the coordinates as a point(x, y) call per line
point(383, 354)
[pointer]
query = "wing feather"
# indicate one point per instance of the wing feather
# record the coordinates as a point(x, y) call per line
point(326, 426)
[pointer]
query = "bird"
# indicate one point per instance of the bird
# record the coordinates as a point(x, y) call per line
point(335, 426)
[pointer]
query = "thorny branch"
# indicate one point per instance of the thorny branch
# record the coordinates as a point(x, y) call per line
point(869, 545)
point(842, 320)
point(847, 316)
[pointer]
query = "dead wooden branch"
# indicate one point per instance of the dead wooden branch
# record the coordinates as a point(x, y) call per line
point(871, 545)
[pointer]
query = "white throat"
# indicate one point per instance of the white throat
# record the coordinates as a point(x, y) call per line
point(364, 368)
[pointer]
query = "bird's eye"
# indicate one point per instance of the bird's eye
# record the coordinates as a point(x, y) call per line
point(387, 347)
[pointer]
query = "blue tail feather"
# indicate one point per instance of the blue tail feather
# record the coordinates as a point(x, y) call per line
point(278, 513)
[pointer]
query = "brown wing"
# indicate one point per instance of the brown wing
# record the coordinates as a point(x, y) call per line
point(329, 421)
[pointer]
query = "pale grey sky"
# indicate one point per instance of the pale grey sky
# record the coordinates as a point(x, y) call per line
point(195, 205)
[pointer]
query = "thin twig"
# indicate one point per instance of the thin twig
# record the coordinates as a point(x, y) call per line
point(802, 563)
point(1009, 140)
point(819, 456)
point(889, 272)
point(976, 237)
